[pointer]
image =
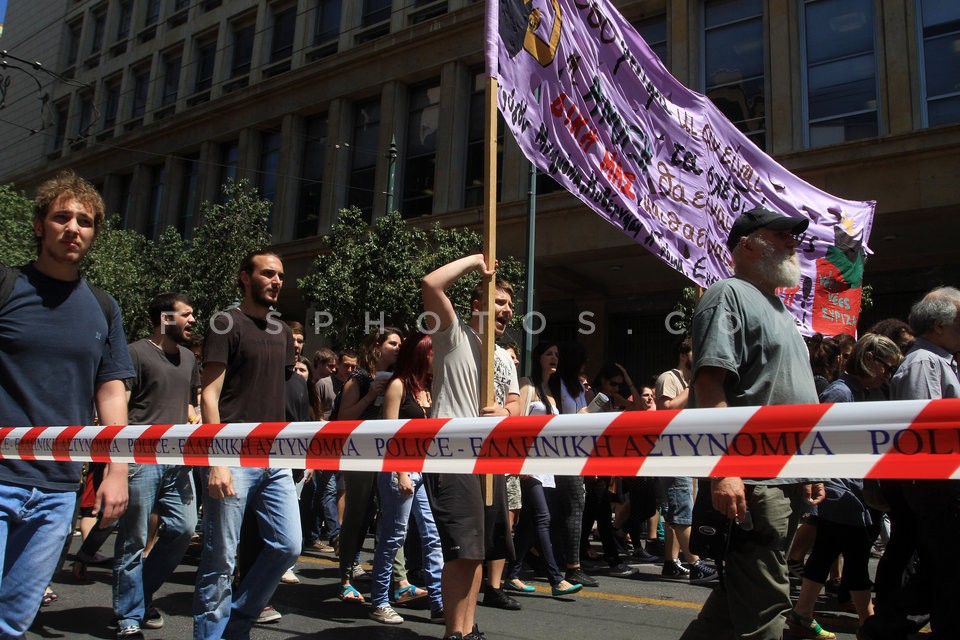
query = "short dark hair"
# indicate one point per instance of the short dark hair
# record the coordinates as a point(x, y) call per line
point(323, 354)
point(296, 328)
point(685, 346)
point(347, 353)
point(164, 303)
point(246, 265)
point(501, 285)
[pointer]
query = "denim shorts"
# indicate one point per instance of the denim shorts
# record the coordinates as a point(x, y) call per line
point(679, 495)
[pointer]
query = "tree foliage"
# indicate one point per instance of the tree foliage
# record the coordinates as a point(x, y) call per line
point(17, 245)
point(226, 234)
point(372, 274)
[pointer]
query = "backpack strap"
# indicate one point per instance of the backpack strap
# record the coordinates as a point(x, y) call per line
point(106, 306)
point(8, 278)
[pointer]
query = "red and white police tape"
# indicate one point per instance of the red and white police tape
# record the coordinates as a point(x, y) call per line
point(906, 439)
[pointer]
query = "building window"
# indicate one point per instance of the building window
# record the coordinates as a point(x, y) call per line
point(179, 5)
point(269, 167)
point(229, 163)
point(86, 113)
point(311, 176)
point(111, 103)
point(654, 33)
point(841, 78)
point(171, 77)
point(99, 27)
point(327, 27)
point(61, 110)
point(363, 163)
point(421, 157)
point(206, 55)
point(125, 200)
point(123, 21)
point(734, 63)
point(141, 86)
point(940, 32)
point(157, 176)
point(73, 42)
point(187, 211)
point(152, 13)
point(375, 12)
point(284, 23)
point(473, 188)
point(242, 50)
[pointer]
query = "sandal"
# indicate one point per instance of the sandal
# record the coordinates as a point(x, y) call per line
point(409, 593)
point(49, 597)
point(803, 627)
point(349, 594)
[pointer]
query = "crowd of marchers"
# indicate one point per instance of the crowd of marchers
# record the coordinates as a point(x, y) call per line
point(452, 540)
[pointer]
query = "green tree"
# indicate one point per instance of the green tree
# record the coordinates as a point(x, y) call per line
point(17, 245)
point(372, 270)
point(225, 235)
point(119, 263)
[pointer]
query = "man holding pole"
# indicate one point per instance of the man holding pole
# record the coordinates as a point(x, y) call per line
point(469, 531)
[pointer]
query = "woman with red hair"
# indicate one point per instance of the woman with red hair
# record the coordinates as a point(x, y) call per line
point(402, 493)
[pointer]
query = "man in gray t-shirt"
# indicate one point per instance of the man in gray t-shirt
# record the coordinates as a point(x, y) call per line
point(469, 532)
point(747, 351)
point(162, 392)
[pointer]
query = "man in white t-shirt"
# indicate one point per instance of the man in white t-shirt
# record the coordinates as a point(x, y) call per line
point(470, 533)
point(672, 392)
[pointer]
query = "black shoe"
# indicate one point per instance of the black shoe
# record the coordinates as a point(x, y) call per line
point(642, 556)
point(673, 570)
point(702, 573)
point(577, 576)
point(475, 633)
point(497, 598)
point(455, 636)
point(621, 570)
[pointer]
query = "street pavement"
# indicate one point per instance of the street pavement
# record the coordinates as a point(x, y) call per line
point(638, 607)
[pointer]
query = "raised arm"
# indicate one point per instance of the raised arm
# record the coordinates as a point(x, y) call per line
point(436, 283)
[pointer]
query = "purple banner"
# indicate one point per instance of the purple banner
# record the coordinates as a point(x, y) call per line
point(591, 105)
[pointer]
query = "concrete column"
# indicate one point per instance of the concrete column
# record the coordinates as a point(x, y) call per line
point(784, 128)
point(455, 80)
point(897, 48)
point(291, 159)
point(336, 170)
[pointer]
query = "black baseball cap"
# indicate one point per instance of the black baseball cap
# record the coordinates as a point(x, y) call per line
point(759, 218)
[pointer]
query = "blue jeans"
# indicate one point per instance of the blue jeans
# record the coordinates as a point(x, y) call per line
point(392, 531)
point(327, 485)
point(170, 489)
point(34, 525)
point(319, 500)
point(219, 611)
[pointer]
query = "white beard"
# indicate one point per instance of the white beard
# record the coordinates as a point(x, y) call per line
point(779, 268)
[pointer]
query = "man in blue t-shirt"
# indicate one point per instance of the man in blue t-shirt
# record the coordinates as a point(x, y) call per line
point(59, 358)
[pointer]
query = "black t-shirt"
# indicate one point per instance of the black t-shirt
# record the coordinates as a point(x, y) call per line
point(298, 399)
point(165, 383)
point(257, 354)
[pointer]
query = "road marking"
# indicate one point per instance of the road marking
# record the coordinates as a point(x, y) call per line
point(596, 595)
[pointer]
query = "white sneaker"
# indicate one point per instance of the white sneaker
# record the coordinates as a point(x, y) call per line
point(268, 615)
point(386, 615)
point(289, 577)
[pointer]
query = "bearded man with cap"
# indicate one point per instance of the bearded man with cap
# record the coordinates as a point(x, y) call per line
point(748, 352)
